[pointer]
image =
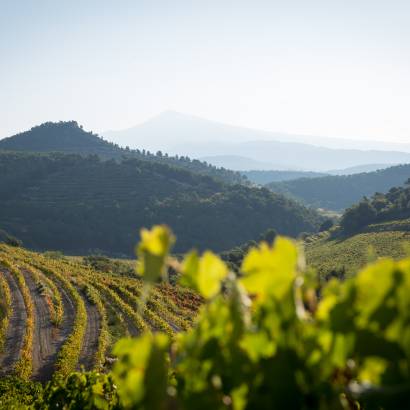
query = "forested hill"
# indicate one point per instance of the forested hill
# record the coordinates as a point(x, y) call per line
point(69, 137)
point(265, 177)
point(81, 204)
point(341, 191)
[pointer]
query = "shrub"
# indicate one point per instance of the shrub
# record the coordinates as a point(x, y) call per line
point(358, 216)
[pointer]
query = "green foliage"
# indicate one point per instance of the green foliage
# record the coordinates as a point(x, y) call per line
point(263, 340)
point(16, 394)
point(141, 372)
point(58, 202)
point(341, 191)
point(70, 138)
point(381, 207)
point(269, 235)
point(266, 177)
point(328, 252)
point(152, 251)
point(79, 391)
point(204, 275)
point(68, 355)
point(24, 366)
point(326, 225)
point(104, 336)
point(5, 309)
point(54, 254)
point(104, 264)
point(9, 239)
point(235, 256)
point(358, 216)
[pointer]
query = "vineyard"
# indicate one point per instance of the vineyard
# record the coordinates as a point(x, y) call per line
point(349, 254)
point(272, 337)
point(58, 315)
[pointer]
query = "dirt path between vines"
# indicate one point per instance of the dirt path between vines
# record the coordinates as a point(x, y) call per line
point(69, 313)
point(132, 328)
point(46, 340)
point(92, 332)
point(16, 329)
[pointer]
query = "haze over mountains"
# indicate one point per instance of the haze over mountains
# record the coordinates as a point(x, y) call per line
point(240, 148)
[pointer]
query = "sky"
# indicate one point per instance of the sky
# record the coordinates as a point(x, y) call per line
point(326, 68)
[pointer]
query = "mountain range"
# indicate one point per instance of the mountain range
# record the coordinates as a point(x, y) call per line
point(70, 138)
point(242, 149)
point(66, 189)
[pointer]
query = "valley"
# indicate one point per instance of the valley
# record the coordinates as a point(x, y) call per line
point(204, 205)
point(79, 317)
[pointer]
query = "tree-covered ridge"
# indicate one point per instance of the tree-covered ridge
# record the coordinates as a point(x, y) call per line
point(394, 205)
point(65, 136)
point(265, 177)
point(84, 204)
point(341, 191)
point(69, 137)
point(374, 227)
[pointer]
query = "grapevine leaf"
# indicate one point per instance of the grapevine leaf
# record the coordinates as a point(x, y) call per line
point(152, 252)
point(203, 274)
point(270, 270)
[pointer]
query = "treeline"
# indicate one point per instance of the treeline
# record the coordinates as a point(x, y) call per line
point(234, 257)
point(341, 191)
point(69, 137)
point(85, 205)
point(9, 239)
point(395, 204)
point(265, 177)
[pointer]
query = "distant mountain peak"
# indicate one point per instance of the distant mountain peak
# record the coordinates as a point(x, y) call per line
point(176, 119)
point(183, 134)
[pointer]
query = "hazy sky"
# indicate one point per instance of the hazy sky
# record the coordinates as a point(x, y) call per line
point(331, 68)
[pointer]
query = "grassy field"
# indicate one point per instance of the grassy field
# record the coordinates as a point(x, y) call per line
point(327, 252)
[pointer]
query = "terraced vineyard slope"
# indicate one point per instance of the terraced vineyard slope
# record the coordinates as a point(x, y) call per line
point(333, 254)
point(61, 315)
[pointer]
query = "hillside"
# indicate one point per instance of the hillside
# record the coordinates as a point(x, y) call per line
point(341, 191)
point(84, 205)
point(196, 137)
point(236, 162)
point(374, 227)
point(63, 323)
point(75, 313)
point(261, 177)
point(69, 137)
point(265, 177)
point(359, 169)
point(344, 255)
point(66, 137)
